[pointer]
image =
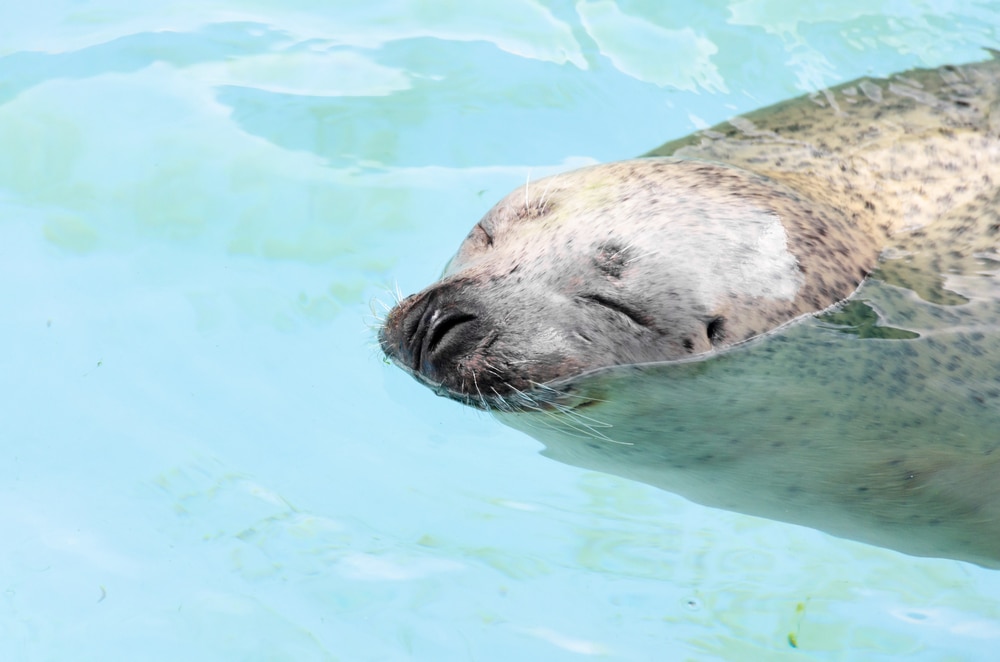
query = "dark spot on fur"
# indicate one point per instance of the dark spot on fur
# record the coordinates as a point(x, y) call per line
point(611, 259)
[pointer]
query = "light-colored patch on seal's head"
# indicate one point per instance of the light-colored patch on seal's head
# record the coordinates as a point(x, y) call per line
point(623, 263)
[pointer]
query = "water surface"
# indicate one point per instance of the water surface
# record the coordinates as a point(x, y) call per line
point(204, 456)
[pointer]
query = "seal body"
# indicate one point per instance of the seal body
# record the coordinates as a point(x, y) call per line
point(684, 257)
point(715, 239)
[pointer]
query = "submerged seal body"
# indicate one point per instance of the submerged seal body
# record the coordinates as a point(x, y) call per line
point(674, 261)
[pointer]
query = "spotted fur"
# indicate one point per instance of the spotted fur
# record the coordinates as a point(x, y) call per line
point(608, 311)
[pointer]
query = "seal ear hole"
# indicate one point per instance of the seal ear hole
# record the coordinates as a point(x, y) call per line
point(716, 329)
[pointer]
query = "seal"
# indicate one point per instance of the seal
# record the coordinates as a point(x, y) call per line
point(723, 244)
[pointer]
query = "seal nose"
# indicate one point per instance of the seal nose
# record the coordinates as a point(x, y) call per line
point(429, 335)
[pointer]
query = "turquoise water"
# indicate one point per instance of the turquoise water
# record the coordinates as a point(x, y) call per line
point(204, 456)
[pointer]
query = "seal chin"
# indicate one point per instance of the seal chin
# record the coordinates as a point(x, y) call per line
point(498, 396)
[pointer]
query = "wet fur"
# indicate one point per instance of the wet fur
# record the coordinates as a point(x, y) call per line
point(907, 168)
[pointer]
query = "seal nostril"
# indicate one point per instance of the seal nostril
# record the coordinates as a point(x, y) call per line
point(411, 332)
point(432, 335)
point(441, 326)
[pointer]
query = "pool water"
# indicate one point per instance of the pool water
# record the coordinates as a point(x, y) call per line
point(204, 456)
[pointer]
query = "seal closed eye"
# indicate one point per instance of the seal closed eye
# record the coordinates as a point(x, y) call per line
point(636, 317)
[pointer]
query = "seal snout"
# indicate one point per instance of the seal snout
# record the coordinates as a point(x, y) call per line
point(430, 334)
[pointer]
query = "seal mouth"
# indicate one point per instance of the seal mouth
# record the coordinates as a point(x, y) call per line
point(501, 396)
point(542, 398)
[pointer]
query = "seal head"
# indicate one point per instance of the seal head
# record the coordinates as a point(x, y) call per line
point(633, 262)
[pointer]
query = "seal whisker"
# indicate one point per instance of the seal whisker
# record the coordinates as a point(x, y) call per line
point(549, 421)
point(585, 430)
point(374, 322)
point(376, 350)
point(382, 304)
point(541, 200)
point(582, 421)
point(525, 399)
point(558, 420)
point(569, 411)
point(492, 369)
point(566, 419)
point(379, 316)
point(568, 416)
point(565, 394)
point(501, 402)
point(376, 303)
point(634, 256)
point(482, 399)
